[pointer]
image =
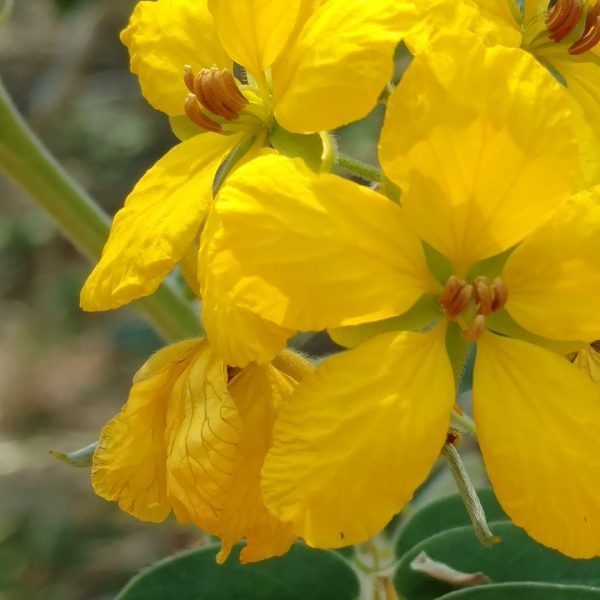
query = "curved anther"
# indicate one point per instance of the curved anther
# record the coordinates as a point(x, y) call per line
point(476, 330)
point(196, 116)
point(563, 18)
point(456, 296)
point(217, 92)
point(591, 32)
point(499, 294)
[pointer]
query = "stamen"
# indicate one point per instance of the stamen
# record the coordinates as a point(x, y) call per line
point(591, 32)
point(195, 115)
point(500, 294)
point(217, 92)
point(484, 295)
point(456, 296)
point(476, 330)
point(563, 18)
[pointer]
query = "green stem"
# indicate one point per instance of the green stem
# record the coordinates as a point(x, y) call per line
point(358, 168)
point(24, 158)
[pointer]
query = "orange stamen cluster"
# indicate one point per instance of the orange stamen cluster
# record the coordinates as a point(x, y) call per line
point(481, 296)
point(565, 16)
point(591, 32)
point(214, 90)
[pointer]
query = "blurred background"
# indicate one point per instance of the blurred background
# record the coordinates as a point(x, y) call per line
point(64, 373)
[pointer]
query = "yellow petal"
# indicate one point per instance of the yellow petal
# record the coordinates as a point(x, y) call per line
point(537, 421)
point(164, 36)
point(588, 360)
point(339, 64)
point(254, 31)
point(237, 335)
point(582, 77)
point(483, 139)
point(202, 435)
point(258, 393)
point(129, 462)
point(157, 224)
point(358, 436)
point(490, 20)
point(553, 277)
point(285, 231)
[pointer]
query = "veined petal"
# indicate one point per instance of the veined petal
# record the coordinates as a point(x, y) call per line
point(582, 77)
point(588, 360)
point(129, 462)
point(255, 31)
point(483, 139)
point(339, 64)
point(537, 422)
point(258, 392)
point(285, 231)
point(553, 277)
point(157, 224)
point(490, 20)
point(237, 335)
point(164, 36)
point(202, 435)
point(358, 436)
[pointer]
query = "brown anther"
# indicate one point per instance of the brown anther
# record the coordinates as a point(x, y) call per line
point(484, 295)
point(456, 296)
point(476, 330)
point(188, 78)
point(499, 295)
point(196, 116)
point(452, 437)
point(563, 18)
point(214, 90)
point(591, 32)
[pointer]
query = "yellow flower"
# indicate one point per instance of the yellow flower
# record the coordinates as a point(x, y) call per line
point(563, 35)
point(310, 66)
point(192, 439)
point(488, 241)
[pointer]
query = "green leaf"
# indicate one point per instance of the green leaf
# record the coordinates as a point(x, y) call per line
point(442, 514)
point(516, 558)
point(78, 458)
point(301, 574)
point(525, 591)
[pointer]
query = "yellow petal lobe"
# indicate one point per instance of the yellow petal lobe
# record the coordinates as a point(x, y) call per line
point(373, 418)
point(536, 417)
point(258, 393)
point(157, 224)
point(254, 31)
point(553, 277)
point(162, 37)
point(285, 231)
point(490, 160)
point(312, 87)
point(129, 462)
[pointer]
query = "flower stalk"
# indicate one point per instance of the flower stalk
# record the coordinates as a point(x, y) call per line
point(27, 162)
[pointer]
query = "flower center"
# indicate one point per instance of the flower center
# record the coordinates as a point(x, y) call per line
point(470, 303)
point(213, 91)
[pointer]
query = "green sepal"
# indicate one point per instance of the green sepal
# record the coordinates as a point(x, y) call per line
point(439, 266)
point(491, 267)
point(232, 159)
point(309, 148)
point(79, 458)
point(502, 322)
point(458, 350)
point(424, 312)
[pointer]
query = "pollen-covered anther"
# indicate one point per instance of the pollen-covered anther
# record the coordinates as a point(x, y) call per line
point(196, 116)
point(563, 18)
point(591, 32)
point(215, 91)
point(476, 329)
point(456, 296)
